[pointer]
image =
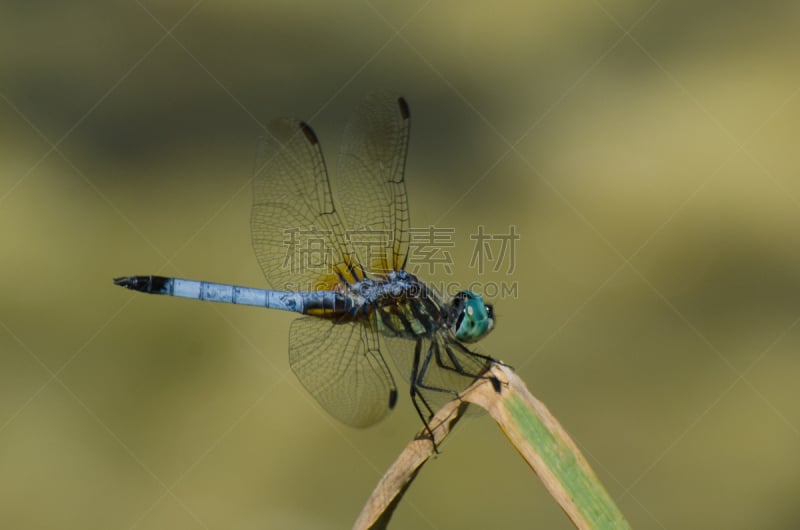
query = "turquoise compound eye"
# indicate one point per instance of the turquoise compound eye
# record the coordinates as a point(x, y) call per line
point(475, 318)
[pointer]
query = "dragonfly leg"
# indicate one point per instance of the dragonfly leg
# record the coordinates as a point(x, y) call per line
point(416, 378)
point(489, 361)
point(421, 364)
point(419, 373)
point(456, 365)
point(432, 353)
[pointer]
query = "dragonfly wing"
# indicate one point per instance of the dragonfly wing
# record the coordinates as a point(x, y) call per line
point(342, 367)
point(297, 234)
point(372, 174)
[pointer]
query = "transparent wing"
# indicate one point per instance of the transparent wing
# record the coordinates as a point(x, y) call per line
point(446, 367)
point(342, 367)
point(373, 189)
point(297, 234)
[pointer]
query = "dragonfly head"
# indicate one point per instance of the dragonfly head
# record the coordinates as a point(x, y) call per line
point(471, 318)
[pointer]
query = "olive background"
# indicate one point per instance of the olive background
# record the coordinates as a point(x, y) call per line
point(645, 152)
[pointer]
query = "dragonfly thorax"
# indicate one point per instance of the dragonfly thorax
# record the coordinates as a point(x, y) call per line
point(399, 304)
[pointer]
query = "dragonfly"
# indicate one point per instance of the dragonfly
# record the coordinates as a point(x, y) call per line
point(341, 264)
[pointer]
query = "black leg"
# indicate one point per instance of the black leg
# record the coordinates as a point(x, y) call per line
point(456, 365)
point(446, 361)
point(415, 373)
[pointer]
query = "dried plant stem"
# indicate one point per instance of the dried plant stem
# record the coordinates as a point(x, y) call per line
point(534, 433)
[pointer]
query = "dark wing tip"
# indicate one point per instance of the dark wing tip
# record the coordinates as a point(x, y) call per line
point(404, 110)
point(309, 132)
point(392, 398)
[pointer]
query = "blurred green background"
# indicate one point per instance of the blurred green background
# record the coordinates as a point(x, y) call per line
point(646, 153)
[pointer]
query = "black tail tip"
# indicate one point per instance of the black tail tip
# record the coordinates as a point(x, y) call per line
point(124, 281)
point(145, 284)
point(135, 283)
